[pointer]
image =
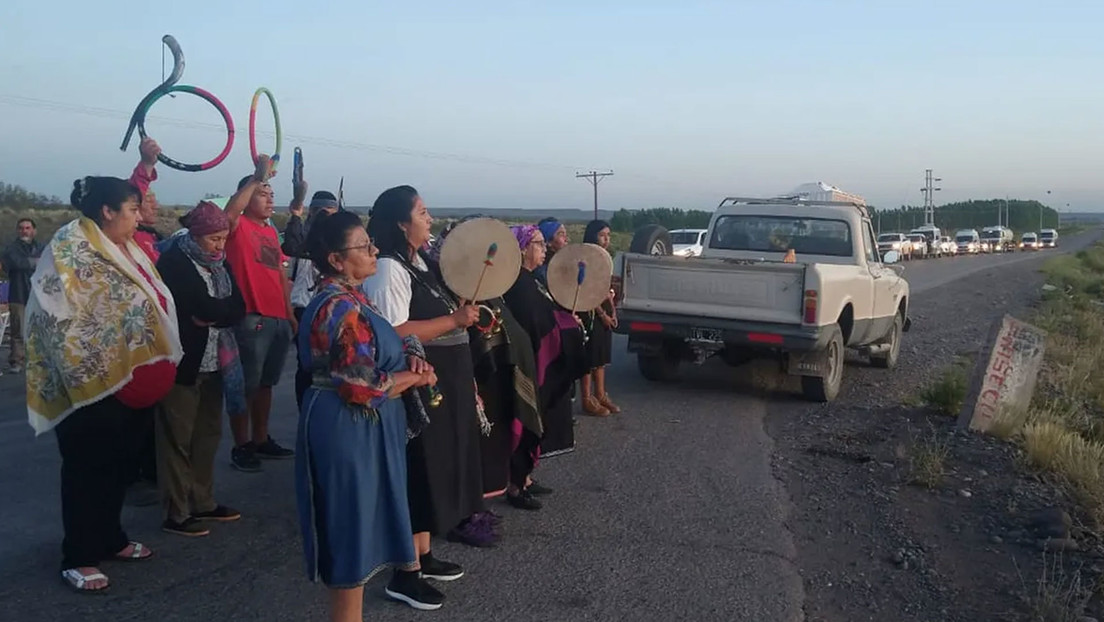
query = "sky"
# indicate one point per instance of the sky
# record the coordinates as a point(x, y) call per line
point(499, 104)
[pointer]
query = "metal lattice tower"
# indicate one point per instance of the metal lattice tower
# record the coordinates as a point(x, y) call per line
point(929, 197)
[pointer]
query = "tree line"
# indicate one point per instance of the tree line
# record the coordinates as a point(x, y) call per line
point(1020, 216)
point(669, 217)
point(1016, 214)
point(18, 197)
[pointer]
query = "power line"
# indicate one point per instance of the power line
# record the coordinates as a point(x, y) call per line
point(40, 104)
point(594, 177)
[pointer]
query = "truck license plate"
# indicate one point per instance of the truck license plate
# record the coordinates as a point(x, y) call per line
point(705, 334)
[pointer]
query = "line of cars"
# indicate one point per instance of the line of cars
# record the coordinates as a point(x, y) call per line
point(929, 241)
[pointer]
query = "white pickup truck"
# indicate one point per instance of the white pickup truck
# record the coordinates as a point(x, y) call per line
point(792, 278)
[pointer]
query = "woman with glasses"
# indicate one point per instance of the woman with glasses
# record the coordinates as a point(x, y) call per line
point(350, 469)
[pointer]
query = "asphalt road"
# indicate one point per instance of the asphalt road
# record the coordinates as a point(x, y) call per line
point(667, 511)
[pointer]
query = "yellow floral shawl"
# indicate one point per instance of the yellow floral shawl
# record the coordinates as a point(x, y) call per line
point(92, 318)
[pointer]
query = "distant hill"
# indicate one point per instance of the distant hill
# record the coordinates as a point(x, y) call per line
point(515, 214)
point(1082, 217)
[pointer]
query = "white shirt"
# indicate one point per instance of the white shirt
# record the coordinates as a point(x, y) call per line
point(209, 362)
point(390, 289)
point(302, 289)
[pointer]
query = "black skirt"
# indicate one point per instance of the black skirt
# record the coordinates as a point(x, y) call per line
point(559, 427)
point(600, 345)
point(444, 474)
point(497, 390)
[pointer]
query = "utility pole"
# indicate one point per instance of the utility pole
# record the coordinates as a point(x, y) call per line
point(929, 197)
point(594, 177)
point(1041, 213)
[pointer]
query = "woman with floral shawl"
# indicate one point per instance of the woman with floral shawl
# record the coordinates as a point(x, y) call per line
point(102, 349)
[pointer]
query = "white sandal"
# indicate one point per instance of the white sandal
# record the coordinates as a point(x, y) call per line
point(135, 553)
point(74, 579)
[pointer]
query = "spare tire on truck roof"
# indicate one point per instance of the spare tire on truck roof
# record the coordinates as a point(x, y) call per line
point(651, 240)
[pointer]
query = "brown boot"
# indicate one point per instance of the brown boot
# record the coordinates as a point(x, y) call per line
point(605, 400)
point(592, 406)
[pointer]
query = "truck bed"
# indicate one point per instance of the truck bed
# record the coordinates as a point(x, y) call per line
point(756, 291)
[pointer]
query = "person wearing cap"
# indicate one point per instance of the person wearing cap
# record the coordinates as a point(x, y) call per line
point(304, 275)
point(189, 422)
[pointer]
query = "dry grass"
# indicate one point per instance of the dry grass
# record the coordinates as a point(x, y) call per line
point(1060, 595)
point(1064, 435)
point(947, 393)
point(927, 460)
point(1076, 462)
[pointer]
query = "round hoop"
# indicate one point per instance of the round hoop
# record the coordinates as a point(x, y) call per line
point(253, 125)
point(198, 92)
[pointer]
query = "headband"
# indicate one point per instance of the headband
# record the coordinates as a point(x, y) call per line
point(524, 234)
point(549, 228)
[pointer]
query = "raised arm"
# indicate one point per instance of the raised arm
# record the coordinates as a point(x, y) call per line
point(244, 195)
point(145, 173)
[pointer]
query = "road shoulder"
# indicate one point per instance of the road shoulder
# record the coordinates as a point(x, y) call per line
point(872, 546)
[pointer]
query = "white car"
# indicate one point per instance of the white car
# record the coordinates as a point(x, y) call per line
point(968, 242)
point(919, 245)
point(1048, 238)
point(687, 242)
point(948, 246)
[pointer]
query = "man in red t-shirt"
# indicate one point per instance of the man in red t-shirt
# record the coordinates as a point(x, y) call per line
point(264, 336)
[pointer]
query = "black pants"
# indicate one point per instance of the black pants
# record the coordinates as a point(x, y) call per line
point(144, 459)
point(98, 445)
point(523, 460)
point(302, 376)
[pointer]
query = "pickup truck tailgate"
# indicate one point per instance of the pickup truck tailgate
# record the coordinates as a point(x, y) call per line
point(715, 288)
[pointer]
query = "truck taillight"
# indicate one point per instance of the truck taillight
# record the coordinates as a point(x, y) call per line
point(810, 307)
point(615, 285)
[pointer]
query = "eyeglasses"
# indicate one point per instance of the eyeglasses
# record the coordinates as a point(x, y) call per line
point(361, 247)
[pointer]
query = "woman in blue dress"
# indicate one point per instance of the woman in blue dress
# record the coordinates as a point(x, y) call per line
point(350, 471)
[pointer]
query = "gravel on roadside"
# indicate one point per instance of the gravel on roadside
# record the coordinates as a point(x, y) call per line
point(872, 546)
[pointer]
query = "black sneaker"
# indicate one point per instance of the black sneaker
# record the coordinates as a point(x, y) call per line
point(439, 570)
point(524, 500)
point(190, 528)
point(244, 458)
point(537, 490)
point(409, 588)
point(221, 513)
point(270, 450)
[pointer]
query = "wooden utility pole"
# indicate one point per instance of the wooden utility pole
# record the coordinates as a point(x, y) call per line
point(594, 177)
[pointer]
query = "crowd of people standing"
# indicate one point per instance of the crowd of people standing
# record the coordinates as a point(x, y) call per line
point(411, 413)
